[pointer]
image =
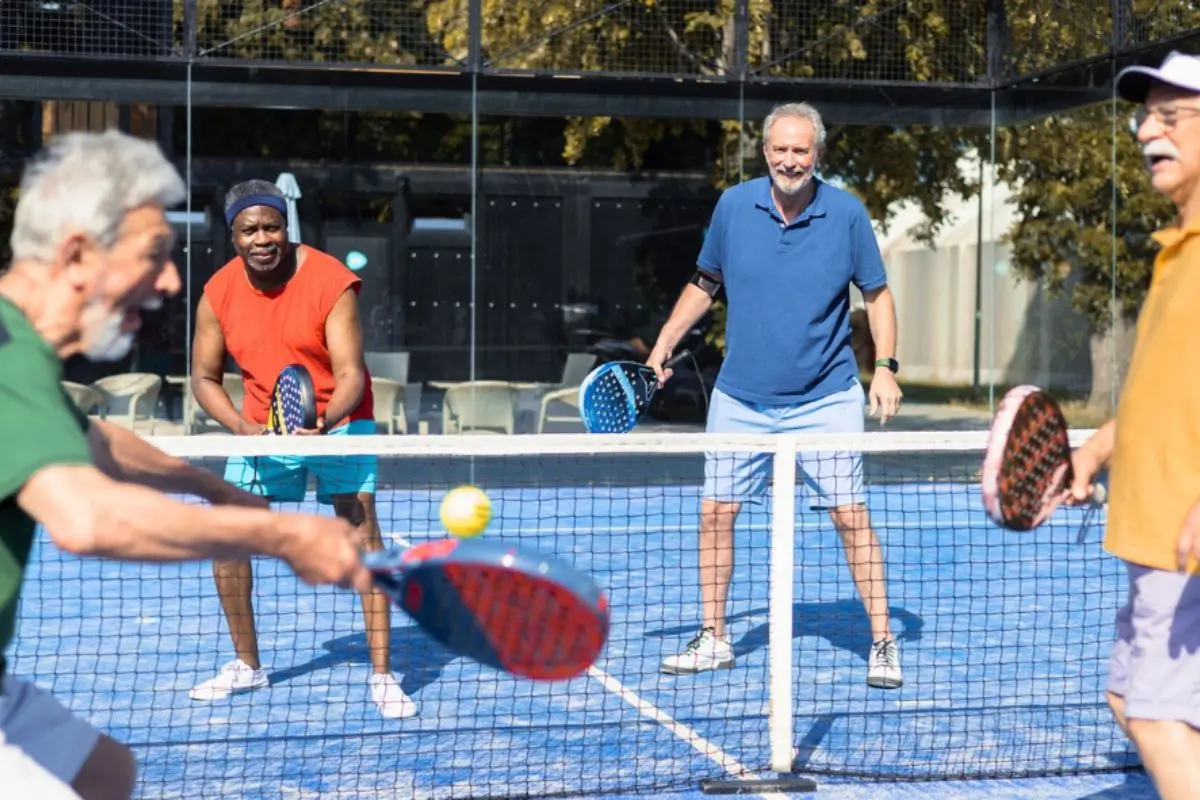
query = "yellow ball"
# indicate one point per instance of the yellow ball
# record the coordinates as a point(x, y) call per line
point(466, 511)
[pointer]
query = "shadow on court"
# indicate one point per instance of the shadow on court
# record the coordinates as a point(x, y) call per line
point(415, 657)
point(842, 623)
point(1137, 786)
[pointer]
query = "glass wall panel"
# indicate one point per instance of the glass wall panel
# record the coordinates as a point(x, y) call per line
point(1070, 252)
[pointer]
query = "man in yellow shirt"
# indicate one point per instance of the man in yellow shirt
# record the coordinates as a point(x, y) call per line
point(1154, 449)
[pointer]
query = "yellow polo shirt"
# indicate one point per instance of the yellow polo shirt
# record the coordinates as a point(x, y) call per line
point(1154, 477)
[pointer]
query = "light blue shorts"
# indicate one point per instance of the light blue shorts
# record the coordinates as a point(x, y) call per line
point(284, 479)
point(832, 478)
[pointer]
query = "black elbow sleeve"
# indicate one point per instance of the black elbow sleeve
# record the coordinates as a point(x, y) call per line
point(706, 283)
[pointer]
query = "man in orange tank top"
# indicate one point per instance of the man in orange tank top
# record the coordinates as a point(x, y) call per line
point(272, 305)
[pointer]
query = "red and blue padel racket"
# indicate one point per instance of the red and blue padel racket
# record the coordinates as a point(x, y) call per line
point(293, 402)
point(515, 610)
point(615, 396)
point(1027, 470)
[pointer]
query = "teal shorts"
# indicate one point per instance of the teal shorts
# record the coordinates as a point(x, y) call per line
point(284, 479)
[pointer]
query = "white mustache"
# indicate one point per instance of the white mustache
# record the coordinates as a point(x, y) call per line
point(1160, 147)
point(152, 303)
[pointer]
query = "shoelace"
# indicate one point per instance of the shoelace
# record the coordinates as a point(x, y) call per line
point(886, 652)
point(694, 644)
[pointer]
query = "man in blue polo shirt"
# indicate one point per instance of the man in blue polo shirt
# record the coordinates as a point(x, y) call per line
point(786, 248)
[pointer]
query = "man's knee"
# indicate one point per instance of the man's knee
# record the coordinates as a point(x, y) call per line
point(717, 517)
point(1116, 704)
point(358, 509)
point(109, 773)
point(851, 519)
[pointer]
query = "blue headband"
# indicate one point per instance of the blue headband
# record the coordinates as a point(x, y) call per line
point(241, 205)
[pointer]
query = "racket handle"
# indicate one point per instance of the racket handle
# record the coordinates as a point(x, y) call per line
point(1098, 498)
point(675, 359)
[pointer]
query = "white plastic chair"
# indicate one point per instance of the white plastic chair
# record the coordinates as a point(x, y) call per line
point(393, 366)
point(389, 404)
point(568, 397)
point(86, 398)
point(479, 407)
point(577, 368)
point(130, 398)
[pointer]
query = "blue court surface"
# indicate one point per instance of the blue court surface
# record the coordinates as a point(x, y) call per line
point(1004, 640)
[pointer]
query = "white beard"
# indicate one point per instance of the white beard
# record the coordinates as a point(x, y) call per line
point(105, 339)
point(791, 185)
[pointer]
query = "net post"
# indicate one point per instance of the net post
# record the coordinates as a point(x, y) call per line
point(779, 642)
point(783, 535)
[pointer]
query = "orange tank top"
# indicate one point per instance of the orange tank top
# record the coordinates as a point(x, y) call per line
point(266, 331)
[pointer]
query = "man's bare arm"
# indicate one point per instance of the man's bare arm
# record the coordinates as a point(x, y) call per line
point(881, 317)
point(103, 517)
point(208, 370)
point(344, 337)
point(124, 456)
point(693, 303)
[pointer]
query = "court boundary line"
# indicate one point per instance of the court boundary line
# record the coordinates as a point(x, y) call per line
point(704, 747)
point(731, 765)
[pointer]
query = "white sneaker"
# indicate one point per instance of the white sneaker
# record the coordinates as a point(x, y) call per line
point(705, 652)
point(236, 677)
point(390, 699)
point(883, 665)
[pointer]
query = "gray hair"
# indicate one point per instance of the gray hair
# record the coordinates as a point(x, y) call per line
point(89, 182)
point(248, 188)
point(801, 110)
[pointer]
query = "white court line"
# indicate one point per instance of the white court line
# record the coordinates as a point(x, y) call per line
point(695, 740)
point(646, 709)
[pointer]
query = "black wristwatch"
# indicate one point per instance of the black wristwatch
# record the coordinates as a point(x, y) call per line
point(890, 363)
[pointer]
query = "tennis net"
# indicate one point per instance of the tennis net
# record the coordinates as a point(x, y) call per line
point(1003, 638)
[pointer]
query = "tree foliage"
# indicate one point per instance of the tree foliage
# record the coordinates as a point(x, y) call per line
point(1071, 172)
point(921, 40)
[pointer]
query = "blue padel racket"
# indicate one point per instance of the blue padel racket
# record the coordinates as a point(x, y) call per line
point(293, 402)
point(515, 610)
point(615, 396)
point(1027, 470)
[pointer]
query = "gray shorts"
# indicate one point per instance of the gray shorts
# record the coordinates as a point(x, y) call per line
point(35, 725)
point(1155, 662)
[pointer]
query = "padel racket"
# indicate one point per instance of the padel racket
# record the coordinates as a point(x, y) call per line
point(1027, 470)
point(615, 396)
point(293, 402)
point(515, 610)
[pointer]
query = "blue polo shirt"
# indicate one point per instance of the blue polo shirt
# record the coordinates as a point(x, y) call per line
point(787, 330)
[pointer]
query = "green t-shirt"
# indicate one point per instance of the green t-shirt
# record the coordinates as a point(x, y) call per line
point(39, 426)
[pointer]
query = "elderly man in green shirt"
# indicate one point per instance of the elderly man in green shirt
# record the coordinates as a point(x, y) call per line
point(91, 246)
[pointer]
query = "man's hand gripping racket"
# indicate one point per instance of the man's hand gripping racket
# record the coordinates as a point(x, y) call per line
point(515, 610)
point(1028, 469)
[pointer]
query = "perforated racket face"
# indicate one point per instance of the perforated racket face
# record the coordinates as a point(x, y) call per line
point(1027, 466)
point(614, 396)
point(293, 402)
point(513, 610)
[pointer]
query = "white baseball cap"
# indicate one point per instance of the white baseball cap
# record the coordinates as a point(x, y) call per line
point(1178, 69)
